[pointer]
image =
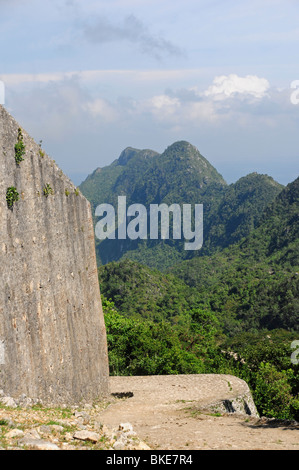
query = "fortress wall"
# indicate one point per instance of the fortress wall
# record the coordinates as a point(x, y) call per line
point(51, 321)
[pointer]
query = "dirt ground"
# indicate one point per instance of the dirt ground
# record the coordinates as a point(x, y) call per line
point(167, 413)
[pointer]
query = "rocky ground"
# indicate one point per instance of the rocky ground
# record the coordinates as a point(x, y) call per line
point(187, 413)
point(31, 426)
point(147, 413)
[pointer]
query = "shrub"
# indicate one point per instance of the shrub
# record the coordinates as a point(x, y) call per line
point(19, 148)
point(272, 394)
point(12, 196)
point(142, 347)
point(48, 190)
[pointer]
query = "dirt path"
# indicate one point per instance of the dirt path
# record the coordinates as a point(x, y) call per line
point(166, 412)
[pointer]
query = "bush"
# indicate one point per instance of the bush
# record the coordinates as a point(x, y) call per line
point(48, 190)
point(12, 196)
point(19, 148)
point(273, 392)
point(142, 347)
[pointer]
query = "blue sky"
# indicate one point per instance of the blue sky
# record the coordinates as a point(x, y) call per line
point(90, 78)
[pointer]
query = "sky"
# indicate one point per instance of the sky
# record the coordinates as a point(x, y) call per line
point(90, 78)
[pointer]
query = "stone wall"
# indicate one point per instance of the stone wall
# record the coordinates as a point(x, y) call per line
point(52, 332)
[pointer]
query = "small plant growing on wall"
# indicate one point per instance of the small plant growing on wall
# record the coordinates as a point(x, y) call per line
point(40, 151)
point(19, 148)
point(12, 196)
point(48, 190)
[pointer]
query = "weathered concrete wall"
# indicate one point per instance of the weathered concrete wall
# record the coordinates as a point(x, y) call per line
point(52, 331)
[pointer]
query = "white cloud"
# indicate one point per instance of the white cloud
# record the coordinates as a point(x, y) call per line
point(203, 111)
point(84, 126)
point(100, 108)
point(225, 99)
point(226, 86)
point(240, 102)
point(176, 110)
point(162, 105)
point(128, 78)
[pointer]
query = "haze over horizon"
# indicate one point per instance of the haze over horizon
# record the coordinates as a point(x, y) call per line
point(92, 78)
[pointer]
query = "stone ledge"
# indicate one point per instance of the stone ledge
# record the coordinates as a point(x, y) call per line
point(217, 392)
point(242, 405)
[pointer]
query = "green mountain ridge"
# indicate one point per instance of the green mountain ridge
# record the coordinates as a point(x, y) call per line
point(279, 227)
point(103, 184)
point(273, 241)
point(255, 282)
point(241, 207)
point(179, 175)
point(232, 309)
point(249, 281)
point(248, 285)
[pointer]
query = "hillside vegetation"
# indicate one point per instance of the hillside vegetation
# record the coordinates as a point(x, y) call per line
point(231, 307)
point(180, 175)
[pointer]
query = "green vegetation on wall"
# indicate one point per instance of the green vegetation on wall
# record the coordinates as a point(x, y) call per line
point(19, 148)
point(47, 190)
point(12, 196)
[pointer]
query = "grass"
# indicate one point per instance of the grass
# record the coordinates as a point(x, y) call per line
point(62, 413)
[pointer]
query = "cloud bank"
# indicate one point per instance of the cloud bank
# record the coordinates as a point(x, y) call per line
point(85, 128)
point(227, 86)
point(226, 97)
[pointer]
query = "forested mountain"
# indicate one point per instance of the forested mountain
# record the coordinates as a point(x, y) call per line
point(240, 209)
point(255, 283)
point(277, 233)
point(233, 309)
point(180, 175)
point(250, 285)
point(105, 184)
point(145, 293)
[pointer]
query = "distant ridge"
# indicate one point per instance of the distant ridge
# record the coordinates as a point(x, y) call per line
point(179, 175)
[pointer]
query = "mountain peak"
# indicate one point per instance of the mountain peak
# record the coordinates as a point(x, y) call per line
point(184, 157)
point(128, 153)
point(182, 146)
